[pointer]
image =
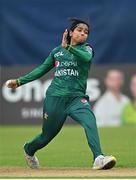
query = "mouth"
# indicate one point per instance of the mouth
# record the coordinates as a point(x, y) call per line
point(82, 38)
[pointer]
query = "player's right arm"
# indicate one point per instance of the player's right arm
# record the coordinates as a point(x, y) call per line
point(34, 74)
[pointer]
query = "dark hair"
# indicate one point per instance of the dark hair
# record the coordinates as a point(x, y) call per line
point(75, 21)
point(73, 24)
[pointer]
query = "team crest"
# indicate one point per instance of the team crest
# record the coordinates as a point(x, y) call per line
point(45, 116)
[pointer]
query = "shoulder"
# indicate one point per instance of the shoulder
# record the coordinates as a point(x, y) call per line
point(102, 101)
point(125, 98)
point(56, 49)
point(105, 98)
point(89, 48)
point(106, 95)
point(88, 45)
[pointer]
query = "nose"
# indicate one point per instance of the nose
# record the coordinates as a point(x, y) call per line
point(82, 33)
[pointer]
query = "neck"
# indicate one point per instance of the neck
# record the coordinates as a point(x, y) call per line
point(116, 94)
point(72, 43)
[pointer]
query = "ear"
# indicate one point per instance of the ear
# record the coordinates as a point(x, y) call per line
point(70, 33)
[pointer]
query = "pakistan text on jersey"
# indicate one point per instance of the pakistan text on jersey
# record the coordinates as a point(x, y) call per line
point(65, 72)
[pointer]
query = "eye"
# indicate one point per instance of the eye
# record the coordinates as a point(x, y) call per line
point(86, 31)
point(79, 29)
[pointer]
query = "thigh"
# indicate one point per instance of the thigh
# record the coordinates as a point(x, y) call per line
point(54, 114)
point(80, 111)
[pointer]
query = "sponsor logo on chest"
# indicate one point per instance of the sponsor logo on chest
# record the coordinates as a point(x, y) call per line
point(69, 66)
point(65, 63)
point(64, 68)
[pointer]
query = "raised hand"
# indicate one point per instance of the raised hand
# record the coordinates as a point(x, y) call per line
point(64, 39)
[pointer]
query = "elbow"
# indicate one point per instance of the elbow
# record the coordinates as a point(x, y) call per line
point(87, 58)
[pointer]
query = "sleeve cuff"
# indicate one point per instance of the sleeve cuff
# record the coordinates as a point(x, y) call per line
point(18, 82)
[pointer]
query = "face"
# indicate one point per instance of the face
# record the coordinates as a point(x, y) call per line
point(114, 80)
point(80, 33)
point(133, 86)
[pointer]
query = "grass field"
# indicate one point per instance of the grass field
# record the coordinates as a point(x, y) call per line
point(69, 149)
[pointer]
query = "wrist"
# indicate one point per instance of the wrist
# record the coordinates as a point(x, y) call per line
point(18, 82)
point(64, 46)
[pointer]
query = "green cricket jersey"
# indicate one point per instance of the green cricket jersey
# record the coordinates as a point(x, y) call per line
point(71, 70)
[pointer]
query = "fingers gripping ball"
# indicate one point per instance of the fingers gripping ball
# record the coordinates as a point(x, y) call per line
point(11, 83)
point(8, 83)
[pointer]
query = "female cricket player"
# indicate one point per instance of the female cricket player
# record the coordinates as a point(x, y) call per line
point(67, 94)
